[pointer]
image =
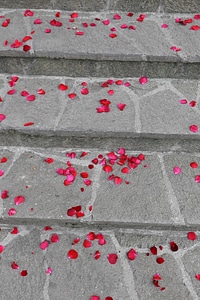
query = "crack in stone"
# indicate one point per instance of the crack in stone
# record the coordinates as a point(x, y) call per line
point(173, 202)
point(127, 272)
point(10, 237)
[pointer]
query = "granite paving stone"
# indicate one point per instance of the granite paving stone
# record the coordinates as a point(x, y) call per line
point(151, 110)
point(148, 42)
point(150, 194)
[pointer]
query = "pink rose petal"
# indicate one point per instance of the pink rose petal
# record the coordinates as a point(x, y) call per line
point(143, 80)
point(44, 245)
point(1, 173)
point(2, 117)
point(164, 26)
point(2, 248)
point(194, 128)
point(12, 212)
point(197, 178)
point(112, 258)
point(121, 106)
point(19, 200)
point(132, 254)
point(177, 170)
point(30, 98)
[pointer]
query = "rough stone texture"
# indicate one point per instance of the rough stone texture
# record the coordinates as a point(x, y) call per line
point(170, 6)
point(83, 277)
point(149, 195)
point(152, 110)
point(148, 42)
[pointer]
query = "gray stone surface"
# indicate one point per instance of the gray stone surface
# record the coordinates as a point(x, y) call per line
point(149, 42)
point(150, 195)
point(83, 277)
point(152, 110)
point(181, 6)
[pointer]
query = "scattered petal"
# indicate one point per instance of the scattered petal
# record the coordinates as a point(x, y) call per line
point(38, 21)
point(2, 248)
point(87, 244)
point(29, 124)
point(164, 26)
point(24, 273)
point(94, 297)
point(183, 101)
point(108, 168)
point(176, 49)
point(97, 255)
point(125, 170)
point(106, 22)
point(143, 80)
point(121, 106)
point(160, 260)
point(192, 103)
point(41, 92)
point(194, 165)
point(1, 173)
point(74, 15)
point(117, 17)
point(55, 23)
point(177, 170)
point(154, 250)
point(63, 87)
point(132, 254)
point(112, 258)
point(14, 266)
point(2, 117)
point(117, 180)
point(197, 178)
point(173, 246)
point(47, 30)
point(12, 212)
point(30, 97)
point(49, 160)
point(28, 13)
point(197, 276)
point(11, 92)
point(72, 95)
point(49, 270)
point(44, 245)
point(192, 236)
point(194, 128)
point(15, 231)
point(72, 254)
point(112, 35)
point(84, 91)
point(26, 48)
point(19, 200)
point(79, 32)
point(54, 238)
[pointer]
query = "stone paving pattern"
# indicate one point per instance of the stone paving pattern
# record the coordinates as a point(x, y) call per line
point(150, 194)
point(149, 42)
point(86, 276)
point(152, 110)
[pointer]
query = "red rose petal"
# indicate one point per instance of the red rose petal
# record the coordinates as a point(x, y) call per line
point(87, 244)
point(108, 168)
point(194, 128)
point(197, 178)
point(30, 97)
point(29, 13)
point(197, 276)
point(84, 91)
point(2, 117)
point(44, 245)
point(2, 248)
point(74, 15)
point(49, 160)
point(112, 258)
point(47, 30)
point(1, 173)
point(117, 17)
point(121, 106)
point(84, 174)
point(160, 260)
point(37, 21)
point(94, 297)
point(29, 124)
point(192, 103)
point(177, 170)
point(24, 273)
point(97, 255)
point(79, 32)
point(125, 170)
point(46, 228)
point(132, 254)
point(117, 180)
point(164, 26)
point(54, 238)
point(15, 231)
point(4, 194)
point(14, 266)
point(72, 254)
point(24, 93)
point(26, 48)
point(157, 277)
point(112, 35)
point(154, 250)
point(143, 80)
point(72, 95)
point(12, 212)
point(194, 165)
point(173, 246)
point(197, 17)
point(41, 92)
point(87, 182)
point(63, 87)
point(183, 101)
point(19, 200)
point(192, 236)
point(195, 27)
point(55, 23)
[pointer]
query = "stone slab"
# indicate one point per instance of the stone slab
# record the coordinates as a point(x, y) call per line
point(91, 5)
point(148, 42)
point(149, 195)
point(86, 276)
point(153, 110)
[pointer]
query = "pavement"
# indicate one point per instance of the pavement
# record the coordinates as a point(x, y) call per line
point(99, 150)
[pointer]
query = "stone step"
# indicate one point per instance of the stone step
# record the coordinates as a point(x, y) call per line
point(141, 46)
point(147, 190)
point(52, 273)
point(167, 6)
point(158, 115)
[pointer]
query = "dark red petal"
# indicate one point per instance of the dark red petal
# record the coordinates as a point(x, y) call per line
point(160, 260)
point(97, 255)
point(194, 165)
point(84, 175)
point(14, 231)
point(197, 276)
point(24, 273)
point(173, 246)
point(14, 265)
point(29, 124)
point(49, 160)
point(154, 250)
point(54, 238)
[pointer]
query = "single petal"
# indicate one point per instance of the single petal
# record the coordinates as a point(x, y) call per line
point(192, 236)
point(112, 258)
point(143, 80)
point(72, 254)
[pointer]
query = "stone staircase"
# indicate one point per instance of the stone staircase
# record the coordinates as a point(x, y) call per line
point(99, 150)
